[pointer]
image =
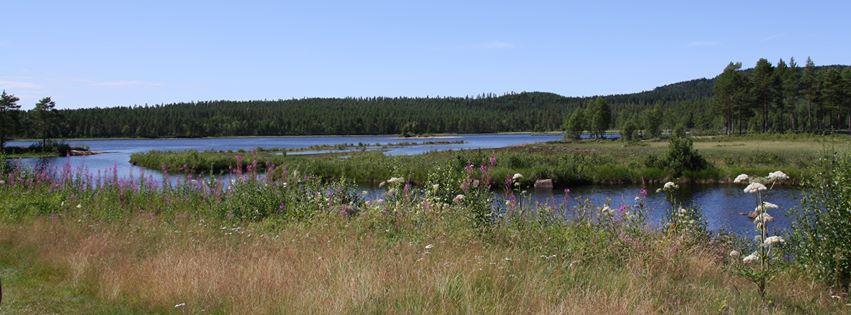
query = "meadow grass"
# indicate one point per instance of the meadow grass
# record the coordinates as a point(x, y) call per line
point(300, 245)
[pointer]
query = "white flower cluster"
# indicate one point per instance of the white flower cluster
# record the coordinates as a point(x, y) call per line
point(755, 187)
point(777, 176)
point(669, 186)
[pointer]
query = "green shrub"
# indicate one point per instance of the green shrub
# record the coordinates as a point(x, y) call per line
point(822, 226)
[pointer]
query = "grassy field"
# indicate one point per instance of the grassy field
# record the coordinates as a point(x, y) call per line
point(567, 163)
point(302, 245)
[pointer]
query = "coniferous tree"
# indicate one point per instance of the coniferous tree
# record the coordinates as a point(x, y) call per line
point(810, 87)
point(9, 109)
point(45, 119)
point(725, 94)
point(791, 89)
point(763, 90)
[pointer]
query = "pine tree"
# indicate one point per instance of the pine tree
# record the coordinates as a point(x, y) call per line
point(45, 119)
point(763, 90)
point(9, 110)
point(810, 87)
point(791, 90)
point(725, 94)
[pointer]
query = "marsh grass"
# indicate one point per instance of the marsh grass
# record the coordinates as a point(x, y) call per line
point(567, 163)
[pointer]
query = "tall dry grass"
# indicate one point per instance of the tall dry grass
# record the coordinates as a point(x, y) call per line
point(338, 265)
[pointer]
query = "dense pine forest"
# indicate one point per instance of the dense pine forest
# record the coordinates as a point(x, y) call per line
point(781, 97)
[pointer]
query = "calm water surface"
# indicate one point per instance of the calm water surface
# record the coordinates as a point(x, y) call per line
point(722, 205)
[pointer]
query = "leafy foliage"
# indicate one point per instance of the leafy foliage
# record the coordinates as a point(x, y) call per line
point(823, 222)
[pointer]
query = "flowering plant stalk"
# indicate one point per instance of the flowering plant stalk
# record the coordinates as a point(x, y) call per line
point(767, 246)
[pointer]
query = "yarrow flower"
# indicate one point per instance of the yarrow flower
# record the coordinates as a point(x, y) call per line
point(765, 206)
point(755, 187)
point(395, 180)
point(429, 246)
point(734, 253)
point(751, 258)
point(763, 217)
point(606, 210)
point(670, 186)
point(741, 178)
point(435, 187)
point(777, 175)
point(771, 240)
point(517, 176)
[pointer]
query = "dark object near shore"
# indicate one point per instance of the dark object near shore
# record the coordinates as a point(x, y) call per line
point(544, 184)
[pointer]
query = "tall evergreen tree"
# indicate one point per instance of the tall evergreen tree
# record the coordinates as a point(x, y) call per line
point(9, 109)
point(45, 119)
point(725, 92)
point(791, 90)
point(810, 87)
point(763, 90)
point(833, 97)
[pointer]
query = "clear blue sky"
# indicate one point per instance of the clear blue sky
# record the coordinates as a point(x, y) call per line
point(105, 53)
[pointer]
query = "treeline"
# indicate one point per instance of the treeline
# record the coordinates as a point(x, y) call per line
point(783, 98)
point(769, 98)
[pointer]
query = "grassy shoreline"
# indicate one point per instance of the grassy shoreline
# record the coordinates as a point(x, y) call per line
point(566, 163)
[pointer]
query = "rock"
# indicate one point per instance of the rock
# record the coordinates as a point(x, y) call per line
point(80, 153)
point(544, 184)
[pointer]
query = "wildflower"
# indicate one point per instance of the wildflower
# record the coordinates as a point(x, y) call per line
point(606, 210)
point(429, 246)
point(435, 187)
point(734, 253)
point(763, 217)
point(771, 240)
point(777, 175)
point(516, 176)
point(458, 199)
point(755, 187)
point(751, 258)
point(765, 206)
point(741, 178)
point(179, 305)
point(79, 206)
point(669, 186)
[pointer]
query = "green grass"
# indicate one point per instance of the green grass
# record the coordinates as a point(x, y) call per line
point(31, 286)
point(567, 163)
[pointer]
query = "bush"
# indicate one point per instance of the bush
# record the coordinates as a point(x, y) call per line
point(680, 158)
point(822, 226)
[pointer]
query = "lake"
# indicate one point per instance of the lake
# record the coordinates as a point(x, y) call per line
point(721, 204)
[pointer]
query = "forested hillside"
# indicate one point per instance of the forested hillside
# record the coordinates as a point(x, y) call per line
point(807, 98)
